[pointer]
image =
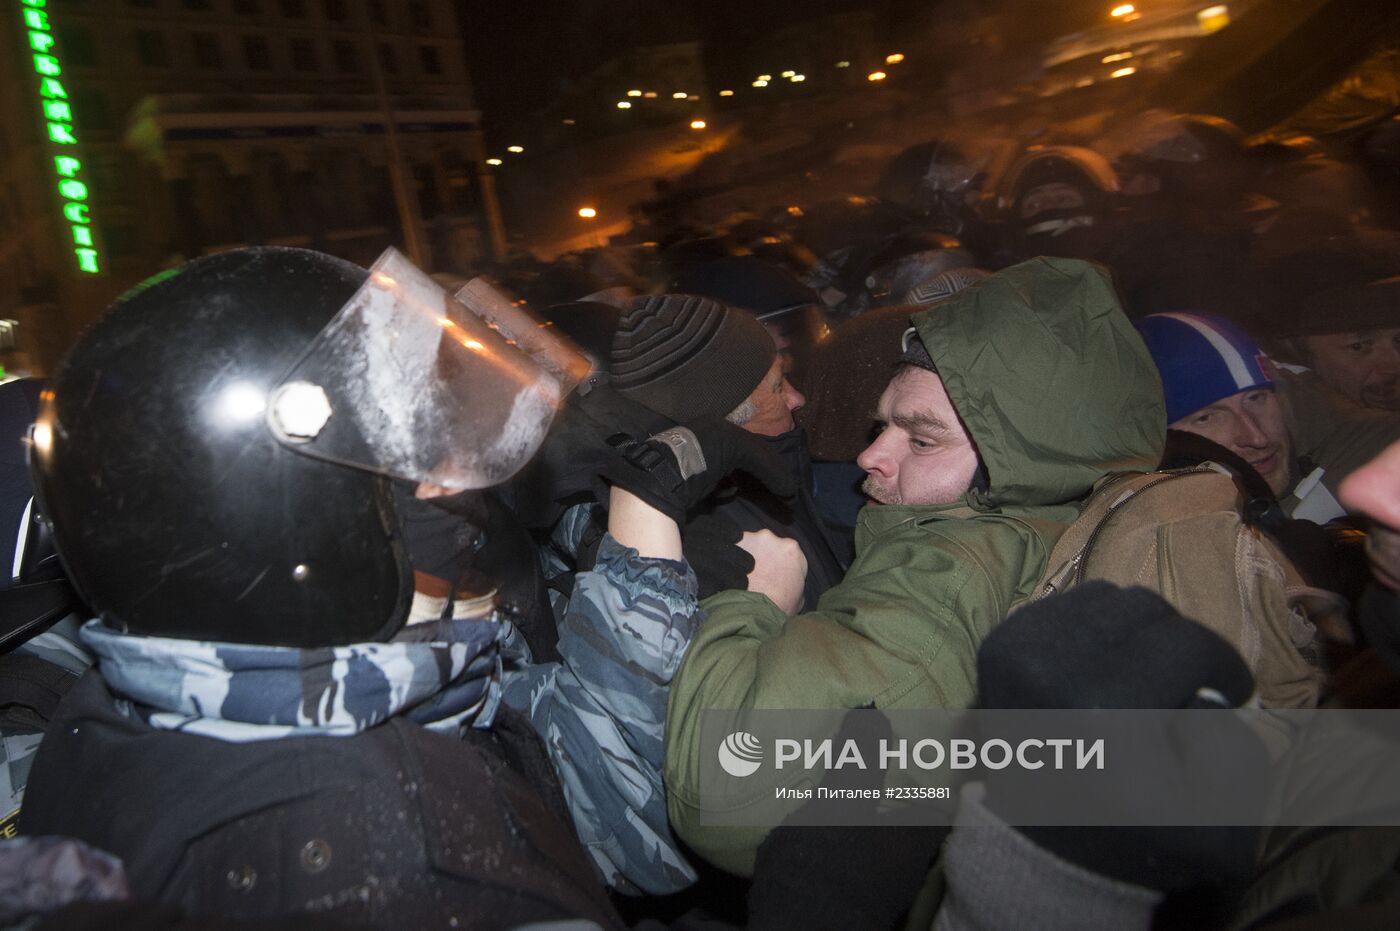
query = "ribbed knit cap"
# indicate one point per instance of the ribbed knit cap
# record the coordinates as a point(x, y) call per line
point(686, 356)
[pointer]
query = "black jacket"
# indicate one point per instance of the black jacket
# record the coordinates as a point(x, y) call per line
point(394, 827)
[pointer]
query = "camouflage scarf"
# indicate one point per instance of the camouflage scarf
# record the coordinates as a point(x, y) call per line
point(443, 675)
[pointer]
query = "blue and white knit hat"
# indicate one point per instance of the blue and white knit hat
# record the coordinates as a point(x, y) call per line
point(1202, 359)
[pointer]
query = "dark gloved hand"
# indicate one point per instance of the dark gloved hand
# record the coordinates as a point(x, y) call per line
point(676, 469)
point(710, 545)
point(576, 452)
point(1103, 647)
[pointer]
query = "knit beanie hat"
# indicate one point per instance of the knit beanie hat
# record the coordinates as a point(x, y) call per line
point(686, 356)
point(1202, 359)
point(1101, 646)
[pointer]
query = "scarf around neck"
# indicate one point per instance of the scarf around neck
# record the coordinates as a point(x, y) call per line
point(444, 675)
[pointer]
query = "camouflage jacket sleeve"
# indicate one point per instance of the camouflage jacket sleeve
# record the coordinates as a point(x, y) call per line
point(603, 710)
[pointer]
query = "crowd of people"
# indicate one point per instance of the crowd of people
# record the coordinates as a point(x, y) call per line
point(355, 598)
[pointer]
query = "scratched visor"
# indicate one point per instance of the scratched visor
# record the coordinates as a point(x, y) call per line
point(409, 381)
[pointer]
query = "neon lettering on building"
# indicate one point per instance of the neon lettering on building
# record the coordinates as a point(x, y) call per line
point(58, 124)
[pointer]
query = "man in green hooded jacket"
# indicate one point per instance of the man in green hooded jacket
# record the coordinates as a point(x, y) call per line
point(1030, 387)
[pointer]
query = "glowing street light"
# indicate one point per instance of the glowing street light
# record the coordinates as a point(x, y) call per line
point(1110, 59)
point(894, 58)
point(1123, 72)
point(634, 93)
point(787, 74)
point(516, 149)
point(798, 78)
point(1122, 10)
point(587, 213)
point(843, 64)
point(760, 83)
point(678, 95)
point(726, 93)
point(650, 95)
point(494, 161)
point(624, 104)
point(876, 76)
point(697, 124)
point(765, 77)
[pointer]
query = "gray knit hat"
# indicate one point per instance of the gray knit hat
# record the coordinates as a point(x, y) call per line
point(685, 356)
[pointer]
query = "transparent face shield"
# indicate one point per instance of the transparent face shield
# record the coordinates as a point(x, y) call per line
point(453, 391)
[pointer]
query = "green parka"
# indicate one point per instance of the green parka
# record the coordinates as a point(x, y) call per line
point(1057, 390)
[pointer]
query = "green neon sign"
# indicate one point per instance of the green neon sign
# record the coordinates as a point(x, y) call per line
point(58, 122)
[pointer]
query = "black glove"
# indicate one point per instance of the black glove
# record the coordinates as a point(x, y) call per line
point(576, 452)
point(710, 544)
point(676, 469)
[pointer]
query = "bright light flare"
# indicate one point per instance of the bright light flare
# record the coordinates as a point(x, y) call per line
point(587, 213)
point(894, 58)
point(1120, 56)
point(876, 76)
point(787, 74)
point(679, 95)
point(516, 149)
point(798, 78)
point(697, 124)
point(760, 83)
point(765, 77)
point(1123, 72)
point(494, 162)
point(634, 93)
point(726, 93)
point(624, 105)
point(1122, 10)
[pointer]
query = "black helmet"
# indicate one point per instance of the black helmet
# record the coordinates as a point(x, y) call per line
point(177, 513)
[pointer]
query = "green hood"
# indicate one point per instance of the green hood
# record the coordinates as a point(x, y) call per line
point(1052, 381)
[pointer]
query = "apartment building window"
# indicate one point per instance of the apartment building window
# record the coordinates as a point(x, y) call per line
point(151, 50)
point(387, 61)
point(428, 57)
point(75, 43)
point(294, 9)
point(346, 59)
point(335, 10)
point(256, 54)
point(419, 15)
point(206, 50)
point(303, 54)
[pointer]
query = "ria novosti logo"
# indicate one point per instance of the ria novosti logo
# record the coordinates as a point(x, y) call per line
point(740, 754)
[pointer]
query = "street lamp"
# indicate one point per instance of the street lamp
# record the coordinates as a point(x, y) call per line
point(624, 105)
point(678, 95)
point(894, 58)
point(697, 124)
point(494, 162)
point(876, 76)
point(516, 149)
point(587, 213)
point(726, 93)
point(1122, 10)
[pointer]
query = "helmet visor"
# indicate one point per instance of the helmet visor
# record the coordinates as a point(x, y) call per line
point(411, 382)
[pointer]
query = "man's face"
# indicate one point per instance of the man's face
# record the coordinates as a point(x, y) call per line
point(1363, 365)
point(1250, 425)
point(776, 399)
point(923, 454)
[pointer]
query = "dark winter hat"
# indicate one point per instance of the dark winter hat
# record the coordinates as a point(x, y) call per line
point(686, 356)
point(748, 283)
point(1101, 646)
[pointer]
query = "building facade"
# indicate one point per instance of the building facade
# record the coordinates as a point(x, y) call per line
point(136, 134)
